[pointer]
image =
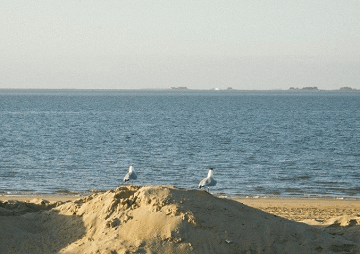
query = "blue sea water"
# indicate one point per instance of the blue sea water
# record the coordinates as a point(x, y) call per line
point(302, 144)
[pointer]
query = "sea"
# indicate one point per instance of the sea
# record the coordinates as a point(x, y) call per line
point(302, 144)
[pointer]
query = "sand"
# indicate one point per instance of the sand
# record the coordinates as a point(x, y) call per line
point(165, 219)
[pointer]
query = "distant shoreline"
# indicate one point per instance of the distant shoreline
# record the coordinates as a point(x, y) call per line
point(175, 90)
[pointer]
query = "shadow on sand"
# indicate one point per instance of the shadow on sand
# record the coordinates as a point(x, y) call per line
point(28, 227)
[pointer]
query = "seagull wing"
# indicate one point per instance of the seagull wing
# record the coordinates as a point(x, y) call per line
point(202, 183)
point(127, 177)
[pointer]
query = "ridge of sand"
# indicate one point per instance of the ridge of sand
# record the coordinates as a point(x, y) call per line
point(163, 219)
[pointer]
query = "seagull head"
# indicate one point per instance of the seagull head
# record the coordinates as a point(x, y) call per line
point(131, 168)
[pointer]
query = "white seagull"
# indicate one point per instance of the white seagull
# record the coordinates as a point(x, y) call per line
point(131, 175)
point(208, 181)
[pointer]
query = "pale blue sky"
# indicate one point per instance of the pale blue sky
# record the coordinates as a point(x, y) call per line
point(195, 43)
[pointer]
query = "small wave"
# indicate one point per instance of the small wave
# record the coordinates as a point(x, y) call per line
point(349, 166)
point(95, 190)
point(259, 188)
point(66, 192)
point(329, 182)
point(302, 177)
point(274, 193)
point(9, 174)
point(355, 191)
point(285, 179)
point(294, 190)
point(312, 195)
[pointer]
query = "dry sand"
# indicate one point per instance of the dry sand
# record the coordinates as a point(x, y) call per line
point(165, 219)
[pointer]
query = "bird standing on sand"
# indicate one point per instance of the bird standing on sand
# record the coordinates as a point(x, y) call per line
point(131, 175)
point(208, 181)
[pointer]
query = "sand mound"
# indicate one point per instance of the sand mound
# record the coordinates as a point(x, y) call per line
point(159, 219)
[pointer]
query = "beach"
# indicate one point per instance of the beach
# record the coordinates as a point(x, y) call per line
point(306, 209)
point(166, 219)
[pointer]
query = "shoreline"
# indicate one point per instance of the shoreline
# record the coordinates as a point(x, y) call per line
point(246, 199)
point(50, 197)
point(175, 89)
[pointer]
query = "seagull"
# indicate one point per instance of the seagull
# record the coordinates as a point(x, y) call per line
point(208, 181)
point(131, 175)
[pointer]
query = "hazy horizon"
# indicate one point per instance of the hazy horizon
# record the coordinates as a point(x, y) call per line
point(255, 45)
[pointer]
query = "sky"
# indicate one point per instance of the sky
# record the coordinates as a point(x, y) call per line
point(158, 44)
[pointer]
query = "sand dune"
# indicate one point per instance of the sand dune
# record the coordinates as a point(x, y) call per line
point(165, 219)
